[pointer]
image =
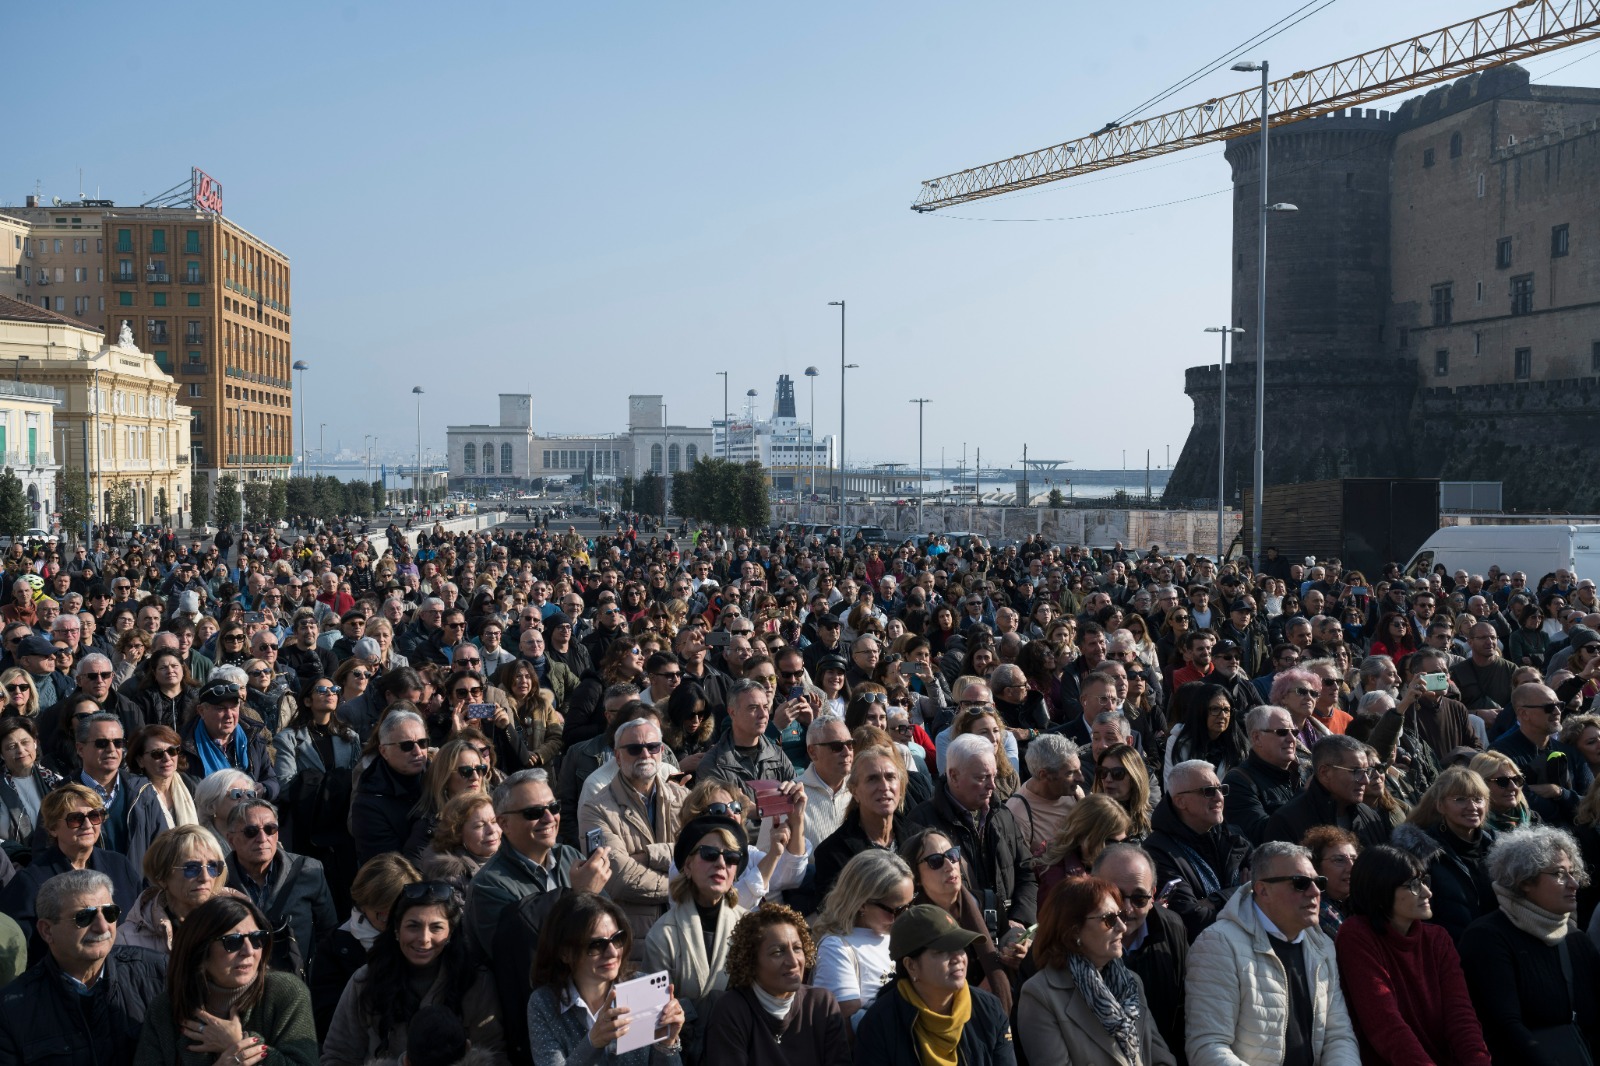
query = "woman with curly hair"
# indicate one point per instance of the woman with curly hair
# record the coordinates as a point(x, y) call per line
point(459, 768)
point(769, 1015)
point(467, 836)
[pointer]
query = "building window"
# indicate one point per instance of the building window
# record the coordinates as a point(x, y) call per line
point(1502, 253)
point(194, 389)
point(674, 458)
point(162, 361)
point(124, 299)
point(1455, 146)
point(488, 457)
point(691, 455)
point(1441, 305)
point(191, 241)
point(193, 298)
point(1522, 294)
point(469, 458)
point(505, 458)
point(158, 240)
point(1441, 363)
point(1480, 292)
point(1481, 186)
point(1427, 157)
point(1558, 241)
point(1477, 342)
point(655, 458)
point(1522, 364)
point(1594, 358)
point(1405, 338)
point(159, 299)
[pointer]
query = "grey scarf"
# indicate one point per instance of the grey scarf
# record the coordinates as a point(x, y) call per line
point(1113, 996)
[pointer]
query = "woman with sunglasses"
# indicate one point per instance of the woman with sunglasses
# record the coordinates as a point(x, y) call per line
point(935, 863)
point(352, 676)
point(571, 1017)
point(1508, 805)
point(771, 869)
point(1120, 773)
point(1402, 977)
point(72, 816)
point(1084, 1004)
point(690, 725)
point(852, 925)
point(224, 1006)
point(420, 959)
point(690, 941)
point(1448, 830)
point(165, 799)
point(461, 691)
point(1211, 730)
point(184, 868)
point(458, 768)
point(22, 695)
point(1169, 647)
point(316, 756)
point(23, 786)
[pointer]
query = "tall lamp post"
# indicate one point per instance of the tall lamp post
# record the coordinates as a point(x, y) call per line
point(811, 432)
point(1222, 433)
point(322, 445)
point(302, 366)
point(727, 442)
point(416, 482)
point(1267, 207)
point(922, 473)
point(843, 366)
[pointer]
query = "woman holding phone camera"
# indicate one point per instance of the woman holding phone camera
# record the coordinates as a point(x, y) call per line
point(466, 705)
point(572, 1020)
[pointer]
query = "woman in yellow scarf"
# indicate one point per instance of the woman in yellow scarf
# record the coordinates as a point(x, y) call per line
point(950, 1022)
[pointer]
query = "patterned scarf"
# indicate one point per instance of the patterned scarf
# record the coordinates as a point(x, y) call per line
point(1113, 995)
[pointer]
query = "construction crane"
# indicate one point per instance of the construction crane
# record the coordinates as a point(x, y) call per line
point(1528, 28)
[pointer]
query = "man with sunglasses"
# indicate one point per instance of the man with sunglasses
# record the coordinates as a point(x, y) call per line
point(1270, 776)
point(291, 889)
point(1257, 1010)
point(37, 655)
point(86, 999)
point(1549, 788)
point(1341, 774)
point(638, 812)
point(382, 811)
point(530, 862)
point(1155, 945)
point(222, 737)
point(1194, 846)
point(100, 742)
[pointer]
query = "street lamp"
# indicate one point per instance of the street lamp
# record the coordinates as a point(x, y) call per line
point(922, 474)
point(727, 444)
point(1222, 431)
point(322, 447)
point(366, 441)
point(302, 366)
point(416, 482)
point(843, 366)
point(811, 430)
point(1267, 207)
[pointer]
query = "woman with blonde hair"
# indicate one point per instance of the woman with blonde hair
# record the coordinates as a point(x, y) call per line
point(1121, 773)
point(467, 836)
point(533, 711)
point(1096, 821)
point(1508, 804)
point(1448, 829)
point(773, 866)
point(458, 768)
point(184, 868)
point(853, 962)
point(877, 787)
point(22, 695)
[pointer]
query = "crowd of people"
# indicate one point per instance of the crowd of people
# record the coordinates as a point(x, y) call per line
point(300, 800)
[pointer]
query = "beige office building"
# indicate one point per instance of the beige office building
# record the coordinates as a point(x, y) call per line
point(115, 411)
point(13, 237)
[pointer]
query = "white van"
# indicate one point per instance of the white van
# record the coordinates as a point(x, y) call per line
point(1535, 550)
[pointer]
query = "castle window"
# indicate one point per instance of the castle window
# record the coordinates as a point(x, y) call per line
point(1441, 305)
point(1441, 363)
point(1522, 364)
point(1480, 292)
point(1481, 185)
point(1427, 157)
point(1502, 253)
point(1594, 358)
point(1522, 294)
point(1455, 146)
point(469, 458)
point(1558, 241)
point(1477, 342)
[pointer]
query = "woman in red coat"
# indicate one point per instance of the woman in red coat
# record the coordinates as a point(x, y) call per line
point(1401, 975)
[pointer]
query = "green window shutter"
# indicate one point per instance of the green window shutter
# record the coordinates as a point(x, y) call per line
point(194, 299)
point(124, 240)
point(191, 240)
point(158, 240)
point(162, 361)
point(33, 446)
point(160, 298)
point(125, 299)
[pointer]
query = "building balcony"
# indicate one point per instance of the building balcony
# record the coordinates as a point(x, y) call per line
point(194, 338)
point(191, 368)
point(157, 278)
point(192, 278)
point(125, 279)
point(26, 460)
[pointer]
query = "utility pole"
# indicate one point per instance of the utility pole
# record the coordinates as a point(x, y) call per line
point(727, 442)
point(922, 473)
point(1027, 497)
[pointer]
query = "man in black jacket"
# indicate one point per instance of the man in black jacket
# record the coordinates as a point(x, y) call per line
point(1270, 777)
point(1193, 846)
point(290, 889)
point(388, 789)
point(966, 810)
point(1155, 944)
point(1340, 771)
point(85, 1002)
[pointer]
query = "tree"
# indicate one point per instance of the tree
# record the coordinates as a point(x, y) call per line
point(199, 502)
point(119, 510)
point(380, 497)
point(754, 504)
point(299, 498)
point(72, 501)
point(277, 506)
point(646, 494)
point(1056, 499)
point(722, 492)
point(257, 501)
point(14, 513)
point(228, 502)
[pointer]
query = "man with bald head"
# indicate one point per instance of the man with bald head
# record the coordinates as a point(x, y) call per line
point(1484, 678)
point(1155, 944)
point(1549, 777)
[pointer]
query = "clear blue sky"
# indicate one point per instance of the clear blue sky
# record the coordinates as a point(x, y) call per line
point(587, 200)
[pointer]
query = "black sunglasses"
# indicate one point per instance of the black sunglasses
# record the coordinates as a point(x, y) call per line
point(428, 891)
point(726, 810)
point(85, 917)
point(539, 810)
point(472, 772)
point(408, 746)
point(233, 943)
point(597, 945)
point(937, 860)
point(252, 831)
point(1298, 882)
point(711, 853)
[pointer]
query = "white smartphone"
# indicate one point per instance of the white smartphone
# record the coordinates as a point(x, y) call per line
point(644, 998)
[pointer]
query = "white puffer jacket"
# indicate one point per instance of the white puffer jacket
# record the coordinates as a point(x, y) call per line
point(1237, 1002)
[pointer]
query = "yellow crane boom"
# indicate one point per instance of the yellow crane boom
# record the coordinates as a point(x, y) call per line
point(1524, 29)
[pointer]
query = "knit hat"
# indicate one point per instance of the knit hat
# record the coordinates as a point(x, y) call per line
point(696, 830)
point(367, 650)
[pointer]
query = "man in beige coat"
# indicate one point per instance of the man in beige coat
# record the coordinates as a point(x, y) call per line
point(638, 812)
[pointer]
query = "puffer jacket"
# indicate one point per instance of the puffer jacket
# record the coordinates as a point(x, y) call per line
point(1240, 1013)
point(1462, 889)
point(641, 852)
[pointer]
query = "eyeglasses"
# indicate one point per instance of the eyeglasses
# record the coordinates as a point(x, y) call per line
point(428, 892)
point(711, 853)
point(96, 676)
point(637, 751)
point(1511, 781)
point(672, 676)
point(194, 868)
point(459, 661)
point(1138, 900)
point(407, 746)
point(1110, 920)
point(1111, 773)
point(726, 810)
point(1547, 708)
point(1311, 692)
point(78, 819)
point(326, 690)
point(1360, 773)
point(1280, 732)
point(937, 860)
point(1299, 882)
point(233, 943)
point(617, 942)
point(85, 917)
point(164, 753)
point(793, 675)
point(537, 812)
point(1417, 884)
point(252, 831)
point(241, 793)
point(1208, 791)
point(1219, 710)
point(1560, 876)
point(472, 772)
point(468, 690)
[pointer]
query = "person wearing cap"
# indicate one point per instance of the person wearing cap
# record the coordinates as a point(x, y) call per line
point(1247, 634)
point(691, 940)
point(931, 1016)
point(828, 641)
point(1229, 672)
point(37, 655)
point(562, 647)
point(218, 740)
